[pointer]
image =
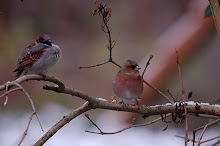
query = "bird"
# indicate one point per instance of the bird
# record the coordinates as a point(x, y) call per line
point(127, 83)
point(38, 57)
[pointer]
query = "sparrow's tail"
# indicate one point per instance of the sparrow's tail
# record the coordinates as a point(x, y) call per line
point(19, 72)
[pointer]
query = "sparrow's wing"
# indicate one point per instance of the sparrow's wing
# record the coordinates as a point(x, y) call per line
point(29, 57)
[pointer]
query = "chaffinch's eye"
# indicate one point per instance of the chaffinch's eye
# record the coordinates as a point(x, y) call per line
point(133, 66)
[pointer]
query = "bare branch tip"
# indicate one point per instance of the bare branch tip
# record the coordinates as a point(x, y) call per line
point(86, 115)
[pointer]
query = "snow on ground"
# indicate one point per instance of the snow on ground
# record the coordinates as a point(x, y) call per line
point(13, 125)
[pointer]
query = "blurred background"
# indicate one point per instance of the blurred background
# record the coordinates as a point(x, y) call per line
point(142, 28)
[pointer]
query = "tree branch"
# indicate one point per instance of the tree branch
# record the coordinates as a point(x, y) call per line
point(33, 77)
point(214, 4)
point(66, 119)
point(197, 108)
point(95, 102)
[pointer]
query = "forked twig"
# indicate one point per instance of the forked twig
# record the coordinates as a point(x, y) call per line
point(105, 14)
point(25, 132)
point(32, 103)
point(184, 99)
point(204, 129)
point(10, 91)
point(125, 128)
point(87, 116)
point(19, 87)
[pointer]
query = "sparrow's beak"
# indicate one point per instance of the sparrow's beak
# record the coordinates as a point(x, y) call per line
point(137, 68)
point(50, 42)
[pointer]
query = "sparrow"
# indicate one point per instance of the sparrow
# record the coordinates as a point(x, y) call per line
point(38, 57)
point(127, 83)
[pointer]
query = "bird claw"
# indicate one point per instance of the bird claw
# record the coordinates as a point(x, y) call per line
point(114, 99)
point(137, 104)
point(122, 102)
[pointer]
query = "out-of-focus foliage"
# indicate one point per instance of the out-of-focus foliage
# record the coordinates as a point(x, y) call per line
point(208, 11)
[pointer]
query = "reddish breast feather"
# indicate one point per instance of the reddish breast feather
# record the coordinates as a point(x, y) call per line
point(124, 84)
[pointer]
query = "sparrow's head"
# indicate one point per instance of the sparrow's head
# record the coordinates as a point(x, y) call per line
point(131, 67)
point(44, 39)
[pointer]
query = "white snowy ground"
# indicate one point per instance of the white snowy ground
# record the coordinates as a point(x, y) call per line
point(12, 127)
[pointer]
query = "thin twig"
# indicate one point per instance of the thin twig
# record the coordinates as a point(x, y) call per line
point(123, 129)
point(87, 116)
point(204, 116)
point(105, 15)
point(201, 141)
point(184, 99)
point(184, 138)
point(204, 129)
point(158, 91)
point(114, 42)
point(25, 132)
point(209, 139)
point(32, 104)
point(148, 63)
point(115, 63)
point(168, 91)
point(6, 90)
point(10, 91)
point(99, 64)
point(217, 142)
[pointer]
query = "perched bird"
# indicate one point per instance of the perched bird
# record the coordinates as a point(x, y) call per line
point(127, 83)
point(38, 58)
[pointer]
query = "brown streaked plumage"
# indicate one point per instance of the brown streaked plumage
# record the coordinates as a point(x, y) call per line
point(38, 58)
point(127, 83)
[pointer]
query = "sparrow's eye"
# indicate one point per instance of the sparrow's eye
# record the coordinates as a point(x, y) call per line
point(48, 42)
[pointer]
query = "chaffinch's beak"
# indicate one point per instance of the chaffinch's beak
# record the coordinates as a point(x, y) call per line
point(137, 68)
